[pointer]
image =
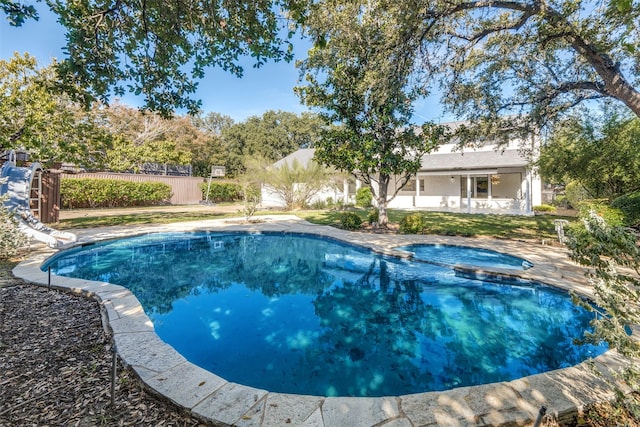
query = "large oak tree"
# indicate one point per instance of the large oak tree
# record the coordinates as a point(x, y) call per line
point(37, 118)
point(531, 57)
point(361, 77)
point(534, 58)
point(159, 49)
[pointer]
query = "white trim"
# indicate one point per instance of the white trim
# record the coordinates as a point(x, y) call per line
point(454, 172)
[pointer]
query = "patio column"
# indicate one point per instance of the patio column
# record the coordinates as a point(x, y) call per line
point(468, 193)
point(527, 192)
point(489, 185)
point(345, 191)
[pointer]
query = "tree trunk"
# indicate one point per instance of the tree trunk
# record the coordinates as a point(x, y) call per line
point(615, 84)
point(381, 198)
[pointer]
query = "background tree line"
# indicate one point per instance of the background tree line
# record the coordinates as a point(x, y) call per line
point(36, 117)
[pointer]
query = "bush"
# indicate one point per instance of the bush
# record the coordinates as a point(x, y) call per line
point(413, 224)
point(629, 205)
point(560, 201)
point(319, 204)
point(544, 208)
point(222, 192)
point(11, 238)
point(373, 216)
point(363, 197)
point(99, 193)
point(575, 194)
point(251, 197)
point(350, 221)
point(612, 216)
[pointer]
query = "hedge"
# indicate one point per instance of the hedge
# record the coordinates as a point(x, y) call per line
point(78, 193)
point(222, 192)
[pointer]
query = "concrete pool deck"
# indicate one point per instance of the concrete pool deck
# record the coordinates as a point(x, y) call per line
point(563, 392)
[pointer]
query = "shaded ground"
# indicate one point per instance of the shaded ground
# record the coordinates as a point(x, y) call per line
point(56, 365)
point(55, 369)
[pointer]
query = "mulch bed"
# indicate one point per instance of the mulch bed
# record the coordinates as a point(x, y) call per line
point(56, 366)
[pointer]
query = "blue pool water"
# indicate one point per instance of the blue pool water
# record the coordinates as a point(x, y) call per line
point(453, 255)
point(307, 315)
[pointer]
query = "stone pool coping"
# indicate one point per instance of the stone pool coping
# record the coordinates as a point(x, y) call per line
point(563, 392)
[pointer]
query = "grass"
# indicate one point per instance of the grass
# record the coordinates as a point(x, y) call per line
point(138, 219)
point(513, 227)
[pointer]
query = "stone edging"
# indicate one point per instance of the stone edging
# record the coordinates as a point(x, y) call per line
point(563, 392)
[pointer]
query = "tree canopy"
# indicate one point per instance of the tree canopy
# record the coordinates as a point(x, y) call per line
point(533, 58)
point(17, 12)
point(158, 49)
point(528, 57)
point(37, 118)
point(272, 136)
point(601, 155)
point(360, 76)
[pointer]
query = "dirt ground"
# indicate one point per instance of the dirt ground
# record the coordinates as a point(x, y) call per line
point(56, 365)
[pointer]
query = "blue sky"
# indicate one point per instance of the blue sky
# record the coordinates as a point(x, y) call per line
point(269, 87)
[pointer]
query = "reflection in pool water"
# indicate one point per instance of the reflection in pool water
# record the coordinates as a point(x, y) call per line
point(452, 255)
point(307, 315)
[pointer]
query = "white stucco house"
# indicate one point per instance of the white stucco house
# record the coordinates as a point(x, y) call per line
point(487, 179)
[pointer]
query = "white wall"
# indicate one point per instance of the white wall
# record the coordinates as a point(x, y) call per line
point(270, 199)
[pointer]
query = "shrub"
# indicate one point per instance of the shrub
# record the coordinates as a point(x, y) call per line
point(629, 205)
point(222, 192)
point(413, 224)
point(319, 204)
point(614, 217)
point(350, 221)
point(251, 199)
point(363, 197)
point(373, 216)
point(544, 208)
point(99, 193)
point(560, 201)
point(575, 194)
point(11, 238)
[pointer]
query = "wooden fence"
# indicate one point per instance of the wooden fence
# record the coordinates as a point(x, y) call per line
point(48, 211)
point(185, 190)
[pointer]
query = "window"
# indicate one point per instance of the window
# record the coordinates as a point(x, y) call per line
point(479, 187)
point(482, 187)
point(410, 186)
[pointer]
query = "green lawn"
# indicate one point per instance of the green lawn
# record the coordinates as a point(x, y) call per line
point(89, 221)
point(536, 227)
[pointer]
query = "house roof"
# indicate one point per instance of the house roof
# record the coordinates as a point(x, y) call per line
point(303, 156)
point(469, 160)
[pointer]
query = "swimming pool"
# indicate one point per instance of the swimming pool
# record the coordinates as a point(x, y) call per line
point(302, 314)
point(455, 255)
